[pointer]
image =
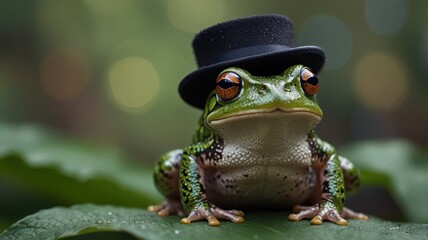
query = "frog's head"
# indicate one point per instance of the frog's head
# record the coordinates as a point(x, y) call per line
point(240, 96)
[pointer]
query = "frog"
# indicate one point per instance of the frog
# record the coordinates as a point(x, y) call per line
point(255, 148)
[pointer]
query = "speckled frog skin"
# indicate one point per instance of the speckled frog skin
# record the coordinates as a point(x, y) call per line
point(255, 148)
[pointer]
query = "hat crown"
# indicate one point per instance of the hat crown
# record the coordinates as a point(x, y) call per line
point(248, 34)
point(262, 45)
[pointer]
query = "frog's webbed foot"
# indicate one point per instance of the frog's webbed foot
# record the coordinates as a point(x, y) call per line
point(212, 215)
point(318, 213)
point(349, 214)
point(168, 207)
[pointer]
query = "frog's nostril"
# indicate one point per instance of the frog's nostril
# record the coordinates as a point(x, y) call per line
point(262, 88)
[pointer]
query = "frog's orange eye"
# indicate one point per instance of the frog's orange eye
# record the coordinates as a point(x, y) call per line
point(309, 82)
point(228, 86)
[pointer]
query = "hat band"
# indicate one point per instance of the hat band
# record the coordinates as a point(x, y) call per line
point(244, 52)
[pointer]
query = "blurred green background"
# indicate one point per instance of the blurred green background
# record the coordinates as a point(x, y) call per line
point(108, 70)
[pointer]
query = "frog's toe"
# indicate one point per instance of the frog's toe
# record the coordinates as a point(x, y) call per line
point(212, 215)
point(349, 214)
point(161, 209)
point(328, 211)
point(303, 212)
point(330, 215)
point(168, 207)
point(235, 216)
point(200, 213)
point(317, 214)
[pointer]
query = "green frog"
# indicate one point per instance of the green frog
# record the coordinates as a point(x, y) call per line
point(255, 148)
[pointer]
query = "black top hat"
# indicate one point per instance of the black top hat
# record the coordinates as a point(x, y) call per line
point(263, 45)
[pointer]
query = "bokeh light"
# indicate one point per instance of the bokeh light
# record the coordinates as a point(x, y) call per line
point(134, 82)
point(381, 82)
point(64, 74)
point(386, 17)
point(331, 34)
point(194, 15)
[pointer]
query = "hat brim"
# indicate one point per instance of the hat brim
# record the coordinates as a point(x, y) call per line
point(195, 87)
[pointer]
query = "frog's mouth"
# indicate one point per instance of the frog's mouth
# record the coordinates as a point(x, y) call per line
point(278, 112)
point(265, 129)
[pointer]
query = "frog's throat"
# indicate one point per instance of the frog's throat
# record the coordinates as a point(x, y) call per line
point(295, 112)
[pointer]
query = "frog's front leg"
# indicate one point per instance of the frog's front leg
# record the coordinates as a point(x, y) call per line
point(329, 194)
point(332, 192)
point(331, 181)
point(192, 189)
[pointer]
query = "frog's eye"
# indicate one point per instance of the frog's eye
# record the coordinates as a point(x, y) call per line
point(228, 86)
point(309, 82)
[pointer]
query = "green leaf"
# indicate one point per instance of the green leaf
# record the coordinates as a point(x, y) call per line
point(81, 219)
point(72, 171)
point(399, 166)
